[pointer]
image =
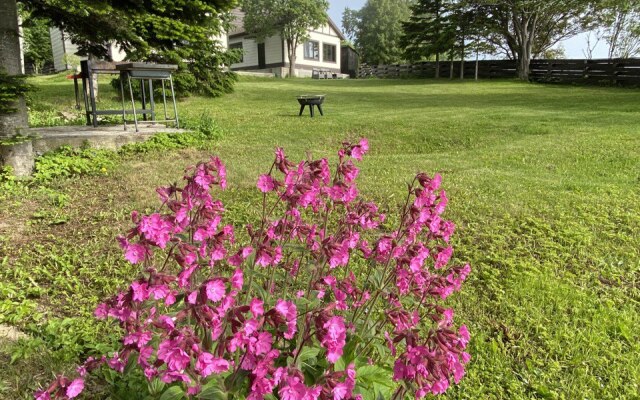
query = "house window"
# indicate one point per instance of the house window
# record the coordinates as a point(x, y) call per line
point(312, 50)
point(238, 46)
point(328, 52)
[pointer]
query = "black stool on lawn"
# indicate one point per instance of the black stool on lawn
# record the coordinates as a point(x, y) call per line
point(311, 101)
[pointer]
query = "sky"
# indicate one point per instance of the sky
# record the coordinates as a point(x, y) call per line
point(573, 47)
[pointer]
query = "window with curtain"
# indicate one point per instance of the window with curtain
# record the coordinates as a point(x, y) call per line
point(312, 50)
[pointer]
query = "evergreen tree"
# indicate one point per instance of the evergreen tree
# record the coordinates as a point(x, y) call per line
point(429, 32)
point(172, 31)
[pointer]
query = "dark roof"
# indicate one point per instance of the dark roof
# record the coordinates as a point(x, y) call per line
point(238, 24)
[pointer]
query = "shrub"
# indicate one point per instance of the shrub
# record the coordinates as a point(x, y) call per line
point(324, 300)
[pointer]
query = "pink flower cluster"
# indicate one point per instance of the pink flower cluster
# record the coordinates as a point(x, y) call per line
point(319, 266)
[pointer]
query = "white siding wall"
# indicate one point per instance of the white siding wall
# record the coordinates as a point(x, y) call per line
point(273, 51)
point(273, 48)
point(322, 35)
point(250, 51)
point(58, 49)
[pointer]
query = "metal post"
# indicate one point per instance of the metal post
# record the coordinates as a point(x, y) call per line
point(124, 109)
point(153, 105)
point(133, 104)
point(75, 88)
point(86, 99)
point(144, 100)
point(92, 96)
point(175, 106)
point(164, 100)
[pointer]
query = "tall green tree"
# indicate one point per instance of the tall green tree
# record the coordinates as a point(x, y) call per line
point(376, 29)
point(291, 19)
point(427, 33)
point(524, 29)
point(37, 42)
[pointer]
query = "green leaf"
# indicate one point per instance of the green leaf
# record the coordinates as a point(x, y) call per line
point(212, 391)
point(155, 387)
point(374, 374)
point(173, 393)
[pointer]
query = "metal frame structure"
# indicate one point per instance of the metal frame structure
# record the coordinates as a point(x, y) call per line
point(148, 73)
point(145, 73)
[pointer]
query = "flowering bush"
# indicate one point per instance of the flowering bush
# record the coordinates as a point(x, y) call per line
point(322, 302)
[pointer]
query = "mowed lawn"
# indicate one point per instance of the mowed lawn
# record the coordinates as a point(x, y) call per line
point(544, 186)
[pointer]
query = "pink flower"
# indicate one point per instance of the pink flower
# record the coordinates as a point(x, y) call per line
point(135, 253)
point(237, 259)
point(140, 291)
point(443, 257)
point(294, 389)
point(42, 395)
point(334, 338)
point(262, 344)
point(75, 388)
point(360, 149)
point(256, 307)
point(266, 184)
point(207, 364)
point(156, 229)
point(237, 280)
point(216, 290)
point(464, 335)
point(289, 311)
point(176, 358)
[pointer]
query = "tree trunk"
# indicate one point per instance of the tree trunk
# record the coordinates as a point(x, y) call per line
point(477, 64)
point(437, 65)
point(462, 62)
point(10, 63)
point(291, 47)
point(524, 62)
point(451, 64)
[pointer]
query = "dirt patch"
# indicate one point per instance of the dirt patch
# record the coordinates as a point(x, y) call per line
point(9, 333)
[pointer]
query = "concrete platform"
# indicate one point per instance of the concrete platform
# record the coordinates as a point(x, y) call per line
point(110, 137)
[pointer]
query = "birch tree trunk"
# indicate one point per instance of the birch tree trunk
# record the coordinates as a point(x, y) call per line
point(10, 63)
point(291, 48)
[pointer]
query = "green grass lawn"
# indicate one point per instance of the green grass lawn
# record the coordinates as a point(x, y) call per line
point(544, 185)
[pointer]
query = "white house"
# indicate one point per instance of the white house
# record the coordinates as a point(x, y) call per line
point(61, 45)
point(320, 51)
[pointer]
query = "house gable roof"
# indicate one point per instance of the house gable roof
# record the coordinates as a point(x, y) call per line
point(238, 24)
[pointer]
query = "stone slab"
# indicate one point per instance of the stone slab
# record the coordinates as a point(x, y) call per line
point(103, 137)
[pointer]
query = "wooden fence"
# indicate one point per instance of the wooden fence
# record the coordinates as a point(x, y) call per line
point(623, 72)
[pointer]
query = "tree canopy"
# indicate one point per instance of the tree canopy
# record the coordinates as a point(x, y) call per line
point(175, 31)
point(291, 19)
point(525, 29)
point(376, 30)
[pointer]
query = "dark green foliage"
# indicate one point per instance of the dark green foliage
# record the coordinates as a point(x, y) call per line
point(37, 42)
point(428, 31)
point(376, 30)
point(11, 89)
point(177, 32)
